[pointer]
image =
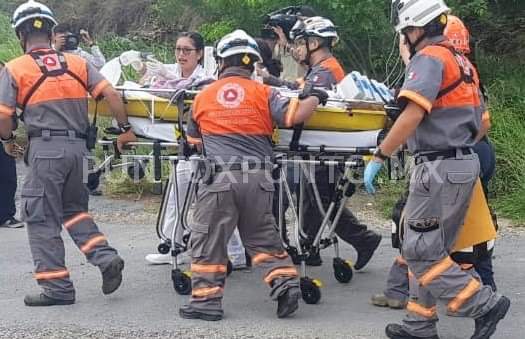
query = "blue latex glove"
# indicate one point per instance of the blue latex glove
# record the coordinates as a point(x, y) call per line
point(371, 171)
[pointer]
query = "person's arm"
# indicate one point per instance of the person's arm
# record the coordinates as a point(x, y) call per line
point(116, 105)
point(485, 126)
point(274, 81)
point(288, 112)
point(99, 87)
point(92, 59)
point(8, 94)
point(96, 57)
point(6, 126)
point(403, 128)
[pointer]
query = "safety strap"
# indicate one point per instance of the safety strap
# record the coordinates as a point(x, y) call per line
point(46, 73)
point(296, 137)
point(463, 77)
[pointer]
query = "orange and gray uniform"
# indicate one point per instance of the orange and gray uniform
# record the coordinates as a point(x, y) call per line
point(325, 74)
point(53, 193)
point(441, 186)
point(233, 118)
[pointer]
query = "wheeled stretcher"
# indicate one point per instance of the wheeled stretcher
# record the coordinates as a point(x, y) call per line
point(334, 148)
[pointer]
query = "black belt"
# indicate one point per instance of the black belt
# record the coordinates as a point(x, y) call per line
point(442, 155)
point(56, 133)
point(242, 166)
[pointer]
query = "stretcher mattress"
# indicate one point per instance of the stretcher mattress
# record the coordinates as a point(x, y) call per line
point(337, 117)
point(166, 131)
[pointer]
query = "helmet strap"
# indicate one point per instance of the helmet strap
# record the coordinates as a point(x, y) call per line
point(413, 46)
point(309, 51)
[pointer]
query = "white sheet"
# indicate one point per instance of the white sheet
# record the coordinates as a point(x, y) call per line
point(166, 132)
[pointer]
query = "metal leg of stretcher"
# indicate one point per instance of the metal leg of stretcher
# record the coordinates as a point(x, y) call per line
point(304, 246)
point(181, 280)
point(310, 289)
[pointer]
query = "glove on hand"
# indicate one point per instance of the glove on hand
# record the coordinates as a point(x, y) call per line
point(310, 91)
point(371, 171)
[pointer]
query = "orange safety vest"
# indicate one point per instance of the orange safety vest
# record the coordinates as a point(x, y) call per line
point(234, 105)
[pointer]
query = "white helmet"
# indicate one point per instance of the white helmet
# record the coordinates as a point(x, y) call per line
point(32, 10)
point(416, 13)
point(315, 27)
point(237, 42)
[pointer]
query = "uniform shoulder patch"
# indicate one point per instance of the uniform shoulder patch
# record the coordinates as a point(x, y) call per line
point(231, 95)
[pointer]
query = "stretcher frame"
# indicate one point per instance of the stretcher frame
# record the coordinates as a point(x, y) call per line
point(297, 248)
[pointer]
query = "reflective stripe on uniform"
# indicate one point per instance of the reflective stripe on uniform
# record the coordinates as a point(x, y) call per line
point(204, 268)
point(50, 275)
point(206, 291)
point(472, 288)
point(417, 99)
point(77, 219)
point(280, 272)
point(7, 111)
point(436, 270)
point(426, 312)
point(262, 257)
point(92, 243)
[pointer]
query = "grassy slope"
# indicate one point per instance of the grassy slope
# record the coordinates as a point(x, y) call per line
point(503, 77)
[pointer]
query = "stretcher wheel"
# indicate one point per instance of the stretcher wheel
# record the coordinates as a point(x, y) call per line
point(164, 248)
point(181, 282)
point(310, 291)
point(342, 271)
point(229, 268)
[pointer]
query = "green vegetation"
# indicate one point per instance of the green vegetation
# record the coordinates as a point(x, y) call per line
point(366, 43)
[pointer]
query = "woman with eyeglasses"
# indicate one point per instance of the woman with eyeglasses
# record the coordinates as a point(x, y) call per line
point(187, 73)
point(189, 53)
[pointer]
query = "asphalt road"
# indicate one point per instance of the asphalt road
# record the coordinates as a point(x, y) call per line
point(146, 306)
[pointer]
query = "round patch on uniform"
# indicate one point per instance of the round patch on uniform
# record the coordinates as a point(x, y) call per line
point(49, 61)
point(231, 95)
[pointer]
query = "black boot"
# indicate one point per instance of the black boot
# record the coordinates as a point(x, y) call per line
point(112, 276)
point(43, 300)
point(288, 302)
point(396, 331)
point(187, 312)
point(486, 325)
point(367, 250)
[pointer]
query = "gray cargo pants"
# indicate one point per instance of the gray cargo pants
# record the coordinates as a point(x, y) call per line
point(242, 199)
point(397, 282)
point(54, 195)
point(440, 193)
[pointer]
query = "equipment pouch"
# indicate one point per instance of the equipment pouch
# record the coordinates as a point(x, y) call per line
point(91, 137)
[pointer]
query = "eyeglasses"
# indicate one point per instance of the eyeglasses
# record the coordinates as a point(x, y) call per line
point(184, 51)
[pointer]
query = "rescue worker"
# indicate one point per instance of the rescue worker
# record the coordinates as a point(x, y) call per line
point(396, 293)
point(8, 181)
point(232, 122)
point(314, 39)
point(440, 123)
point(51, 91)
